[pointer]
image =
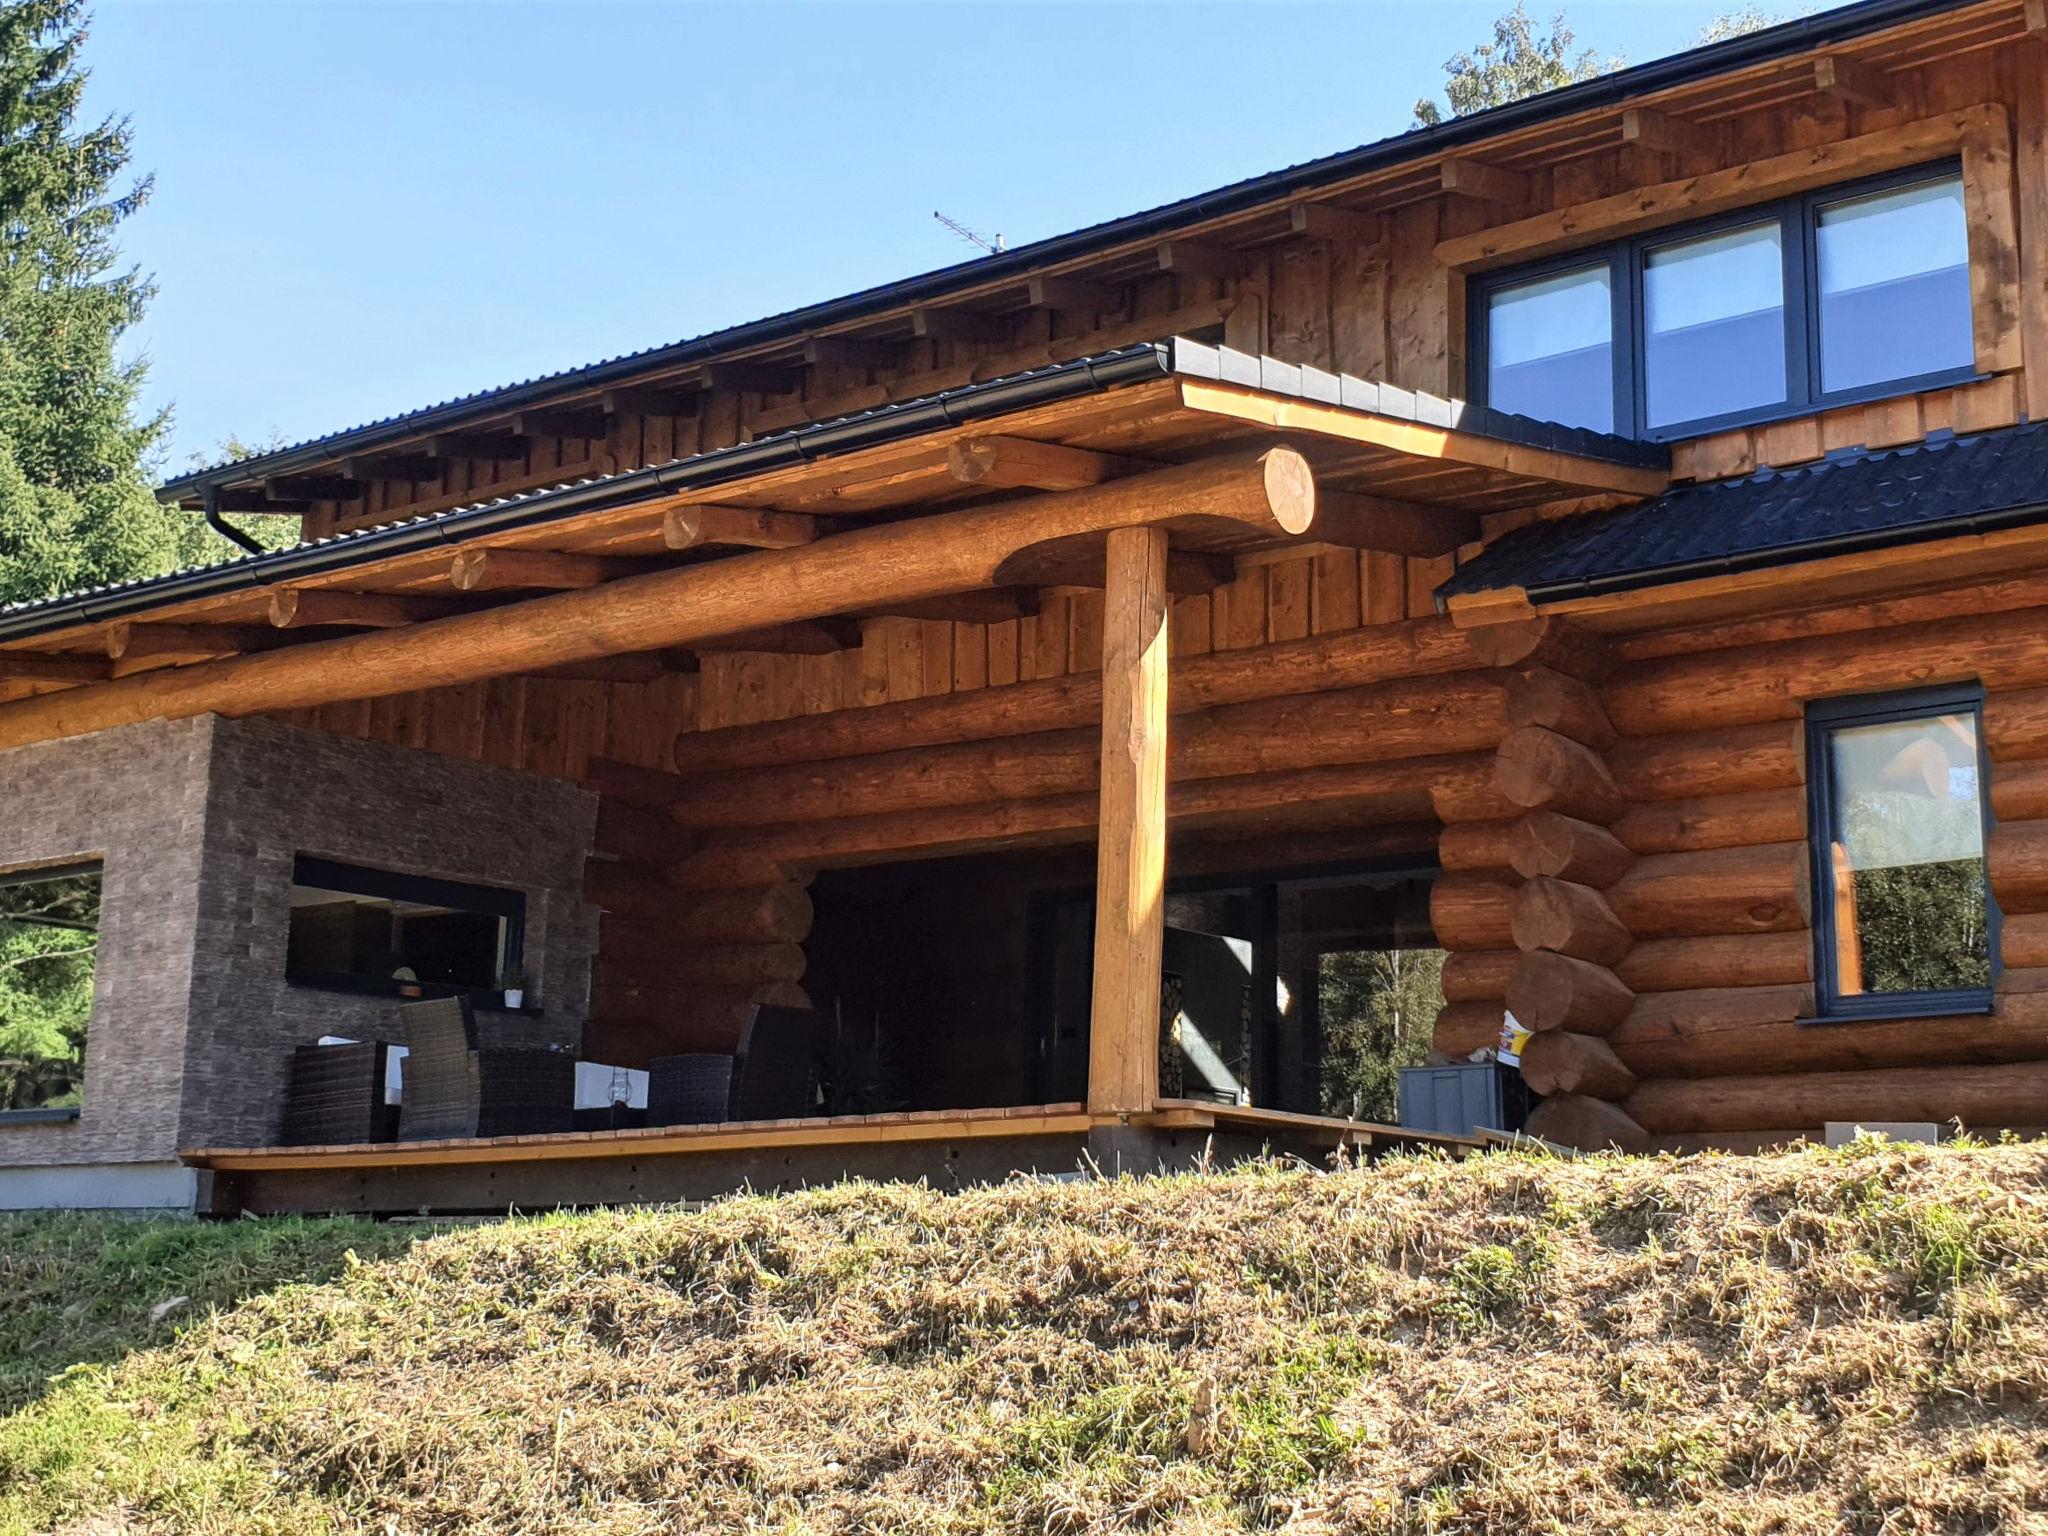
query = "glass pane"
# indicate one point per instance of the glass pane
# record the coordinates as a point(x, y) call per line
point(49, 938)
point(1894, 286)
point(1550, 349)
point(1908, 855)
point(1714, 325)
point(1207, 1011)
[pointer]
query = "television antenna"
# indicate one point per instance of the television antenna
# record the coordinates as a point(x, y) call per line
point(993, 244)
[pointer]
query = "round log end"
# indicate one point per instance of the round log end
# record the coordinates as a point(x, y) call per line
point(970, 460)
point(1290, 489)
point(284, 607)
point(466, 570)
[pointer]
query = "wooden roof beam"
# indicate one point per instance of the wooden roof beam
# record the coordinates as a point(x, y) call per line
point(1488, 183)
point(808, 637)
point(994, 605)
point(585, 422)
point(393, 466)
point(1075, 294)
point(651, 400)
point(2035, 16)
point(546, 570)
point(1326, 221)
point(701, 525)
point(53, 667)
point(1189, 573)
point(255, 500)
point(958, 325)
point(1003, 463)
point(497, 447)
point(303, 607)
point(761, 378)
point(1392, 526)
point(1836, 74)
point(1196, 258)
point(312, 488)
point(635, 667)
point(852, 352)
point(1647, 128)
point(128, 640)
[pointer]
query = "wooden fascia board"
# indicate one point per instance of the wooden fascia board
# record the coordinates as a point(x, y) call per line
point(1047, 1120)
point(1286, 414)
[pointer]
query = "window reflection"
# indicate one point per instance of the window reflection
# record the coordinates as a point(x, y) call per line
point(1714, 324)
point(1550, 349)
point(1894, 285)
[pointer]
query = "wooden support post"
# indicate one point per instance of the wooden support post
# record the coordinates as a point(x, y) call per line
point(1130, 882)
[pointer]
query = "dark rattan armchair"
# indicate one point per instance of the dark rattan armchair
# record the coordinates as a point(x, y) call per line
point(457, 1087)
point(773, 1075)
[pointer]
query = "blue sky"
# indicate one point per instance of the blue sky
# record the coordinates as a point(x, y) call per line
point(363, 208)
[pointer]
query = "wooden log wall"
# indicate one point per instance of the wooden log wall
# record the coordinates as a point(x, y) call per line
point(1665, 960)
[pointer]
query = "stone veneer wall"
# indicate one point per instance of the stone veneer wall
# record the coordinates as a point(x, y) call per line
point(198, 822)
point(135, 798)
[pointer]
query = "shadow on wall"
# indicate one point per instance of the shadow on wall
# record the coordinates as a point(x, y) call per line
point(88, 1289)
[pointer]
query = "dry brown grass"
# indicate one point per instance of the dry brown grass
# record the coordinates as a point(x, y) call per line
point(1814, 1342)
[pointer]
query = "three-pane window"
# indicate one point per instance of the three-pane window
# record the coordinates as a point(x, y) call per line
point(1902, 913)
point(1840, 295)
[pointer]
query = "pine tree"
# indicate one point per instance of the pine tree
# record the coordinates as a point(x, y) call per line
point(75, 504)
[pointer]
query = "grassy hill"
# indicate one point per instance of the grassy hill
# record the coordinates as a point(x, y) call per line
point(1814, 1342)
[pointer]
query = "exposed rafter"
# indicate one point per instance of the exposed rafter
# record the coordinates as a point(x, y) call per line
point(651, 400)
point(1837, 74)
point(700, 526)
point(1487, 182)
point(1000, 463)
point(410, 467)
point(586, 422)
point(130, 641)
point(852, 352)
point(491, 570)
point(300, 607)
point(1647, 128)
point(53, 667)
point(313, 488)
point(1077, 294)
point(1197, 258)
point(761, 378)
point(958, 325)
point(498, 447)
point(1324, 221)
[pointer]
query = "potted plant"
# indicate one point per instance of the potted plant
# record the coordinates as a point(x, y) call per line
point(512, 983)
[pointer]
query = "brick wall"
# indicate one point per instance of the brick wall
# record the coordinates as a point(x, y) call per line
point(198, 822)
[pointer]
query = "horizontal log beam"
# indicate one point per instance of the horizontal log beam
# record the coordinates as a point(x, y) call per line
point(1223, 502)
point(1540, 770)
point(1389, 526)
point(1546, 843)
point(1588, 1124)
point(53, 667)
point(1018, 463)
point(1472, 912)
point(1321, 663)
point(1715, 821)
point(702, 526)
point(1479, 975)
point(1718, 960)
point(1390, 721)
point(1549, 991)
point(308, 607)
point(1336, 799)
point(497, 570)
point(1462, 1028)
point(1570, 919)
point(132, 640)
point(1979, 1096)
point(1738, 760)
point(1558, 1061)
point(1480, 845)
point(2017, 860)
point(1766, 889)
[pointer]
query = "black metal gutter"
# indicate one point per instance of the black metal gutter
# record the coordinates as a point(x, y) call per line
point(1694, 64)
point(1790, 554)
point(802, 445)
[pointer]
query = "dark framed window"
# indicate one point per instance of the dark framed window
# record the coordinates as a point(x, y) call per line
point(49, 948)
point(375, 930)
point(1848, 294)
point(1899, 817)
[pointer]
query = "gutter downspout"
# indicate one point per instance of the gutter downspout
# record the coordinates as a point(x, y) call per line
point(210, 510)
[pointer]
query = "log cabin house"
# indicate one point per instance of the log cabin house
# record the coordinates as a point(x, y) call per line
point(1603, 539)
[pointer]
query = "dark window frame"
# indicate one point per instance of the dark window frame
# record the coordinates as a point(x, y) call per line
point(1798, 219)
point(503, 902)
point(36, 874)
point(1823, 718)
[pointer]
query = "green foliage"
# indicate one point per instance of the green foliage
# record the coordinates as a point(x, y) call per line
point(1378, 1008)
point(1739, 22)
point(1519, 62)
point(75, 505)
point(48, 941)
point(1922, 923)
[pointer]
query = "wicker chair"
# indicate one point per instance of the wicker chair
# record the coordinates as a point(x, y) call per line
point(773, 1075)
point(335, 1096)
point(455, 1087)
